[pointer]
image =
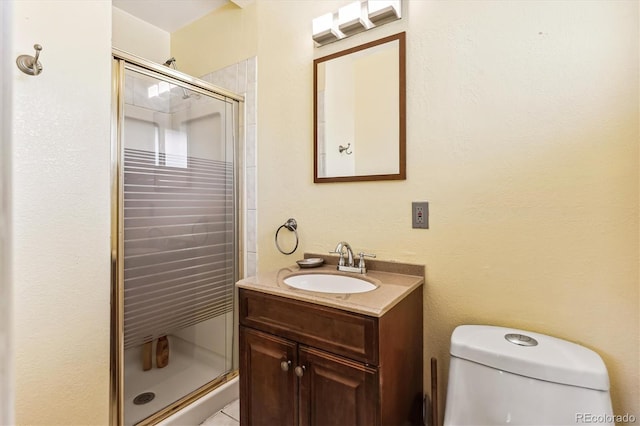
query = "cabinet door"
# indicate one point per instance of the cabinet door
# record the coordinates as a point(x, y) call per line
point(268, 388)
point(335, 391)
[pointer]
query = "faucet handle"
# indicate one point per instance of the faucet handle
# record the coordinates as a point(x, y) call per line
point(362, 256)
point(341, 260)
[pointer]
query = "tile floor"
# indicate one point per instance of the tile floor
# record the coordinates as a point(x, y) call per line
point(228, 416)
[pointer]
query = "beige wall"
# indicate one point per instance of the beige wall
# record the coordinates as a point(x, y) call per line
point(522, 132)
point(60, 213)
point(224, 37)
point(377, 123)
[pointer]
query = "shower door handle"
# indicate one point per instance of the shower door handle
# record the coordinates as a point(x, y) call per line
point(284, 365)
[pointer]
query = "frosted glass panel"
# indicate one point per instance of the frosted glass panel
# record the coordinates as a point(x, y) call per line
point(179, 241)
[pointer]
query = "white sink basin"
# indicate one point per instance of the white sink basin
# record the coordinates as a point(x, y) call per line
point(326, 283)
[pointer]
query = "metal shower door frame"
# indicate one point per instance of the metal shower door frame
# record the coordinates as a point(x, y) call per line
point(121, 62)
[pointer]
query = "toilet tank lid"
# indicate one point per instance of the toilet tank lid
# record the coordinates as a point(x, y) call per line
point(552, 359)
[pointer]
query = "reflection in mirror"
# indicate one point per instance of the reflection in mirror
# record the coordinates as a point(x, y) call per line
point(359, 113)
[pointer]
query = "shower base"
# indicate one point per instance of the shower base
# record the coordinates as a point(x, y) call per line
point(190, 367)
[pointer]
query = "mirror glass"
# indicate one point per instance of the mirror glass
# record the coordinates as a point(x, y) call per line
point(359, 113)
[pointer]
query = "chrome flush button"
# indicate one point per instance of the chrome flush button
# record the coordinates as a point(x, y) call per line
point(520, 339)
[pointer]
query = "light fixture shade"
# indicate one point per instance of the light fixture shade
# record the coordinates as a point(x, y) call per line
point(350, 19)
point(383, 11)
point(359, 15)
point(323, 29)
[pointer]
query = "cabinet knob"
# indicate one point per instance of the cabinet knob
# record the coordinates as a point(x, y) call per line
point(284, 365)
point(300, 371)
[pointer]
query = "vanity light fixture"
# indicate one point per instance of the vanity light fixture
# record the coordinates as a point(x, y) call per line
point(360, 15)
point(383, 11)
point(324, 30)
point(351, 19)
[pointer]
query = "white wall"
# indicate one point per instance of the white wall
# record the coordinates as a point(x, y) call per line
point(339, 113)
point(60, 211)
point(140, 38)
point(6, 378)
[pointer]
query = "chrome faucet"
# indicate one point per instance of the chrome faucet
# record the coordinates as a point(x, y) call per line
point(349, 264)
point(340, 250)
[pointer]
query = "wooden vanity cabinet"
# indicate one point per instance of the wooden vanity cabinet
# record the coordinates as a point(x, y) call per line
point(306, 364)
point(268, 389)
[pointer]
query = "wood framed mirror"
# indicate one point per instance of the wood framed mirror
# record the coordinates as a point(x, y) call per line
point(359, 113)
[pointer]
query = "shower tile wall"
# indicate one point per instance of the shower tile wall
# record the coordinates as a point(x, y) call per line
point(242, 78)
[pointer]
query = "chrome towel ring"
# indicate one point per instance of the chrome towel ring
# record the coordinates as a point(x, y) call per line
point(292, 226)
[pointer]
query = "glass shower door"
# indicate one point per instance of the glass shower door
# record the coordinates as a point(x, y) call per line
point(179, 237)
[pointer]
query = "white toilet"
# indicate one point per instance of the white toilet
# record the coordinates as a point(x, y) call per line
point(503, 376)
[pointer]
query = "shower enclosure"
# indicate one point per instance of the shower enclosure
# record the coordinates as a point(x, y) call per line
point(175, 238)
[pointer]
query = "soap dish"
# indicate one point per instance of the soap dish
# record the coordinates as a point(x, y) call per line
point(311, 262)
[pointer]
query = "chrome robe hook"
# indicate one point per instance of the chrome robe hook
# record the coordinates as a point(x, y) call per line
point(342, 149)
point(29, 64)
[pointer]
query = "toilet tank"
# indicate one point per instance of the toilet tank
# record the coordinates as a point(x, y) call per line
point(528, 379)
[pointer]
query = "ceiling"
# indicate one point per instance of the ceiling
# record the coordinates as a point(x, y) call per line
point(171, 15)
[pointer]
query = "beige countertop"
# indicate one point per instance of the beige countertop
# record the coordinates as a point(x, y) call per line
point(391, 288)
